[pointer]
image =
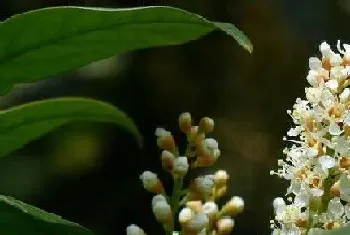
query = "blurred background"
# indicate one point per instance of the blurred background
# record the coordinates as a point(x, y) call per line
point(89, 173)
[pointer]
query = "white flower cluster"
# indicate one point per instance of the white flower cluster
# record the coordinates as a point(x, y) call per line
point(318, 159)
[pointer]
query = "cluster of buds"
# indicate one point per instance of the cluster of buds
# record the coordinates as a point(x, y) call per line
point(317, 162)
point(199, 218)
point(200, 214)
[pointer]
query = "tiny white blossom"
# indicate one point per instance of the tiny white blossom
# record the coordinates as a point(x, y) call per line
point(344, 96)
point(334, 128)
point(315, 63)
point(325, 49)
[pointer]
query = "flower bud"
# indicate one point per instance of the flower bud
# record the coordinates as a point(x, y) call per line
point(193, 136)
point(162, 211)
point(220, 192)
point(185, 122)
point(210, 209)
point(151, 182)
point(165, 139)
point(195, 206)
point(334, 190)
point(185, 215)
point(206, 125)
point(220, 178)
point(180, 166)
point(225, 226)
point(233, 207)
point(207, 160)
point(167, 160)
point(197, 223)
point(205, 185)
point(158, 198)
point(134, 230)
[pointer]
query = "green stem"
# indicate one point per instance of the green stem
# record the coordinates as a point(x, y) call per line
point(174, 203)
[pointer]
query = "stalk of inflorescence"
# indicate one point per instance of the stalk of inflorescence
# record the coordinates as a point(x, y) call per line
point(317, 160)
point(194, 207)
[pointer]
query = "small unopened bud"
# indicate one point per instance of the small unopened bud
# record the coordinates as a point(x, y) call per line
point(220, 192)
point(220, 178)
point(205, 185)
point(166, 142)
point(206, 125)
point(233, 207)
point(193, 136)
point(157, 198)
point(180, 166)
point(185, 122)
point(195, 206)
point(134, 230)
point(225, 226)
point(162, 211)
point(210, 209)
point(207, 160)
point(335, 190)
point(167, 160)
point(165, 139)
point(197, 223)
point(151, 182)
point(185, 215)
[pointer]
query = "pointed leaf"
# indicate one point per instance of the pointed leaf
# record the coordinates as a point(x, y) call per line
point(22, 124)
point(44, 42)
point(20, 218)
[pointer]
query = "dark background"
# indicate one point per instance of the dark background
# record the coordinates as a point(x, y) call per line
point(89, 173)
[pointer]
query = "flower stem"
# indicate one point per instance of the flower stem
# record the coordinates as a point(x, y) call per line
point(174, 203)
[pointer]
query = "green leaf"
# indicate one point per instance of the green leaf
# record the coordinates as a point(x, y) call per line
point(19, 218)
point(25, 123)
point(45, 42)
point(340, 231)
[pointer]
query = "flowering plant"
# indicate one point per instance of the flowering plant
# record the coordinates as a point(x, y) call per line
point(199, 214)
point(317, 162)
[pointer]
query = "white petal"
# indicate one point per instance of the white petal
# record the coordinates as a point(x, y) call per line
point(327, 161)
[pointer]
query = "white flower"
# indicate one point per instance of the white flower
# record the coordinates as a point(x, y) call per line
point(335, 59)
point(344, 96)
point(336, 207)
point(325, 49)
point(327, 162)
point(334, 128)
point(332, 84)
point(315, 63)
point(134, 230)
point(279, 205)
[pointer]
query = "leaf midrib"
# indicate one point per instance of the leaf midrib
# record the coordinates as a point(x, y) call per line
point(11, 56)
point(71, 117)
